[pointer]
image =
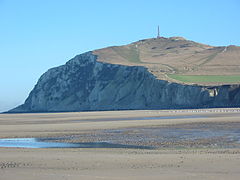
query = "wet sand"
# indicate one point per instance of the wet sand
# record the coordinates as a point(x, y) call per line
point(202, 157)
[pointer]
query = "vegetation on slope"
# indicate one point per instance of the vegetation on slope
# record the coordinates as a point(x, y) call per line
point(206, 78)
point(131, 53)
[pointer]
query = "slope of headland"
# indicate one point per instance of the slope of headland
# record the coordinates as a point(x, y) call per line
point(178, 60)
point(148, 74)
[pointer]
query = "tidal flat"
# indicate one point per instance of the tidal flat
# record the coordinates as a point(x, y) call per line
point(180, 144)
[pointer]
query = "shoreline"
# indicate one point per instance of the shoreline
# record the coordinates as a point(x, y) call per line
point(168, 162)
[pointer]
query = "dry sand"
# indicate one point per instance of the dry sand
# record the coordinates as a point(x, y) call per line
point(185, 163)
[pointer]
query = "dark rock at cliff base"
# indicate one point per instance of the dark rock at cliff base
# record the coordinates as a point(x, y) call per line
point(84, 84)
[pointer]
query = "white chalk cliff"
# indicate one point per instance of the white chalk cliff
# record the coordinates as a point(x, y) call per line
point(84, 84)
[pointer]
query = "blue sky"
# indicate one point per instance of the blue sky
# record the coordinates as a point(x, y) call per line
point(36, 35)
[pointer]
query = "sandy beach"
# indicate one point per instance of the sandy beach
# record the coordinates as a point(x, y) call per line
point(187, 144)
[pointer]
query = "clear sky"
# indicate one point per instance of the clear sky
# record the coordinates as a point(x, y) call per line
point(36, 35)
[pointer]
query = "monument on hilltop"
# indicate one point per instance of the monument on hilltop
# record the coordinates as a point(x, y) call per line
point(158, 35)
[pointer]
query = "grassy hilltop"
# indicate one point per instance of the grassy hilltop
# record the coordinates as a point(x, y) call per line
point(179, 60)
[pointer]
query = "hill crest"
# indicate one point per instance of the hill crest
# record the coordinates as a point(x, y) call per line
point(177, 56)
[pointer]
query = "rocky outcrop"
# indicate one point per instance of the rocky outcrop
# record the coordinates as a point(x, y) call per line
point(84, 84)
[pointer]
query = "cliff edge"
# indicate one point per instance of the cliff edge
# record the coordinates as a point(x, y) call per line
point(84, 84)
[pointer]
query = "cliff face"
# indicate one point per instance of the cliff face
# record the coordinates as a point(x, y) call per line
point(83, 83)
